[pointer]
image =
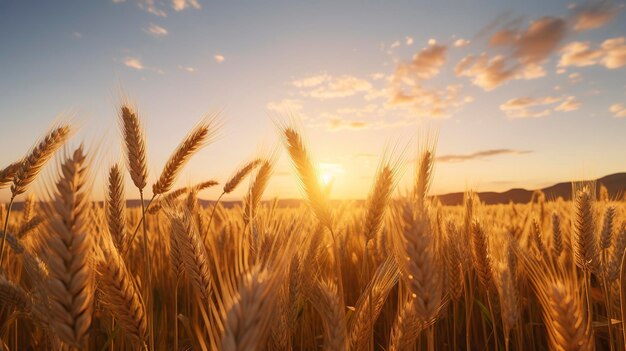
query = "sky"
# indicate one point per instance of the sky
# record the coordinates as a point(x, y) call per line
point(517, 93)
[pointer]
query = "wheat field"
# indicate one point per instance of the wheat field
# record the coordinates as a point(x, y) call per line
point(399, 271)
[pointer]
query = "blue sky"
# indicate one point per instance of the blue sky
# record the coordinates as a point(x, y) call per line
point(544, 103)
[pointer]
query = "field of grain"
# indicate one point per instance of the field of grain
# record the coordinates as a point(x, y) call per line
point(399, 272)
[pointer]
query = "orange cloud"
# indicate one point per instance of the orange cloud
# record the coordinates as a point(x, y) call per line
point(618, 110)
point(611, 54)
point(528, 107)
point(480, 155)
point(179, 5)
point(569, 104)
point(329, 87)
point(134, 63)
point(155, 30)
point(432, 103)
point(485, 73)
point(336, 124)
point(594, 15)
point(285, 106)
point(424, 65)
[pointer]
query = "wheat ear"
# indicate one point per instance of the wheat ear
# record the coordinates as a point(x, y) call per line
point(135, 146)
point(377, 202)
point(198, 137)
point(121, 296)
point(326, 301)
point(253, 198)
point(8, 173)
point(38, 157)
point(70, 283)
point(116, 208)
point(307, 175)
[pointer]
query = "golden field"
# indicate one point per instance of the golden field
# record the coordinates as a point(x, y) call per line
point(397, 272)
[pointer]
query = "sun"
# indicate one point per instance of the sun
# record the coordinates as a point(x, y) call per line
point(326, 177)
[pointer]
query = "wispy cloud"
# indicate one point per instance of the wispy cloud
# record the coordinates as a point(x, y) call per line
point(137, 64)
point(611, 54)
point(187, 68)
point(407, 87)
point(424, 65)
point(155, 30)
point(529, 107)
point(77, 35)
point(219, 58)
point(569, 104)
point(618, 110)
point(526, 107)
point(285, 106)
point(133, 62)
point(179, 5)
point(337, 124)
point(408, 41)
point(480, 155)
point(150, 7)
point(325, 86)
point(521, 52)
point(594, 14)
point(460, 43)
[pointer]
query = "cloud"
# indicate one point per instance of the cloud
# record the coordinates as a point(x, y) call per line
point(523, 52)
point(311, 81)
point(485, 73)
point(480, 155)
point(179, 5)
point(134, 63)
point(284, 106)
point(614, 53)
point(460, 42)
point(408, 41)
point(540, 39)
point(618, 110)
point(187, 68)
point(569, 104)
point(337, 124)
point(424, 65)
point(594, 15)
point(155, 30)
point(432, 103)
point(395, 44)
point(150, 7)
point(611, 54)
point(377, 76)
point(77, 35)
point(219, 58)
point(328, 87)
point(526, 107)
point(574, 78)
point(578, 54)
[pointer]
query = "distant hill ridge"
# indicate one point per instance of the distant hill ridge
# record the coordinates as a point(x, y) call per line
point(614, 183)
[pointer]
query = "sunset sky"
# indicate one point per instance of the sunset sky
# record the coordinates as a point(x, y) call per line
point(520, 93)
